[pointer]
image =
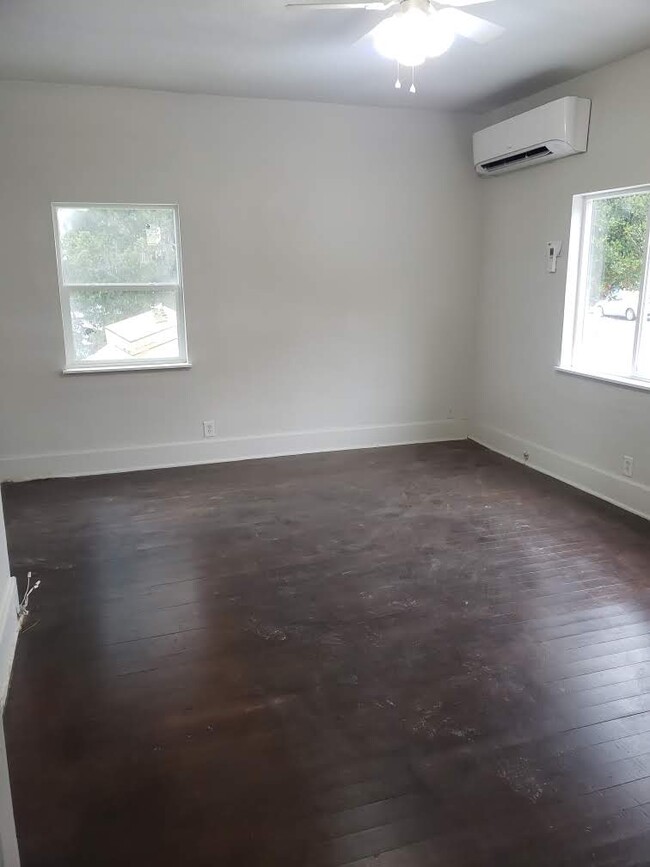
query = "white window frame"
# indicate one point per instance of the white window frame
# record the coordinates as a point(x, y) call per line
point(72, 365)
point(576, 297)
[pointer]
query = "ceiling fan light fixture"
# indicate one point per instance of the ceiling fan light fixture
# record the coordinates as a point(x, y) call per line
point(412, 35)
point(399, 38)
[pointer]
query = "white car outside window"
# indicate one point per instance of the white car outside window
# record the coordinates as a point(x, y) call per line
point(620, 302)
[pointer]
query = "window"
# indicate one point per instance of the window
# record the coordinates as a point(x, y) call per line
point(121, 286)
point(606, 330)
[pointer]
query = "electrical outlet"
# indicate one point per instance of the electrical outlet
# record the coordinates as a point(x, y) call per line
point(628, 466)
point(209, 429)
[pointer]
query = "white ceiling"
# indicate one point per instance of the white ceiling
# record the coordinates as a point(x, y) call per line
point(259, 48)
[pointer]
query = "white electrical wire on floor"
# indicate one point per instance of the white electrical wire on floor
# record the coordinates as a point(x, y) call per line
point(23, 609)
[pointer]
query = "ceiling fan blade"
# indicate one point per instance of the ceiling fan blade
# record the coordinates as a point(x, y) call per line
point(471, 27)
point(368, 35)
point(459, 3)
point(377, 6)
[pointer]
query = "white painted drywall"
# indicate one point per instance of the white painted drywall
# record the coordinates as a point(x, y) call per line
point(6, 582)
point(8, 612)
point(574, 428)
point(329, 263)
point(8, 843)
point(8, 632)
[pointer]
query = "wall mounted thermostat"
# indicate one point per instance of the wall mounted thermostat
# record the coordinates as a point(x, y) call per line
point(553, 250)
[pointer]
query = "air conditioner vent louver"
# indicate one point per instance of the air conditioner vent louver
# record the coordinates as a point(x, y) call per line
point(550, 132)
point(503, 162)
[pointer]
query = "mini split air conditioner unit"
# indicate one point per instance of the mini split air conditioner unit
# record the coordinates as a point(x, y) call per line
point(558, 129)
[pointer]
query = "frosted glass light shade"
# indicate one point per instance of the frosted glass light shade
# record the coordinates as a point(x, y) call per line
point(412, 36)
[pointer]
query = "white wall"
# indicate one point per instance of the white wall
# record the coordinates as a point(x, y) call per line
point(8, 634)
point(8, 843)
point(574, 428)
point(329, 261)
point(8, 621)
point(331, 266)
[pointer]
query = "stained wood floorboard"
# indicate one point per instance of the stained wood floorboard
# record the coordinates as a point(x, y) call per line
point(403, 657)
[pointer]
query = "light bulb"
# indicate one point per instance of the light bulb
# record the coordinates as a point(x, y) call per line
point(398, 84)
point(412, 89)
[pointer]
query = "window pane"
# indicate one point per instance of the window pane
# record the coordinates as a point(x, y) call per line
point(124, 325)
point(117, 245)
point(614, 276)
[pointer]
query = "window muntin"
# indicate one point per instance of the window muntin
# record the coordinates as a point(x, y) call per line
point(607, 306)
point(121, 285)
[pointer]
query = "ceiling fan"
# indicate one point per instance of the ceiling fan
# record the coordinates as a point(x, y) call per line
point(417, 29)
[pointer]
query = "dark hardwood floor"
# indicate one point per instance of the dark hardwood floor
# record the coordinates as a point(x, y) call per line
point(402, 657)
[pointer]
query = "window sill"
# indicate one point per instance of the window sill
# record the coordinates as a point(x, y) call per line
point(622, 381)
point(127, 368)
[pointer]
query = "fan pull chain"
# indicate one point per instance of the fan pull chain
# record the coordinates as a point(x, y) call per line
point(398, 83)
point(412, 87)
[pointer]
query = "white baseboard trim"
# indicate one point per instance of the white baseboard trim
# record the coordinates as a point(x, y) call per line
point(8, 634)
point(618, 490)
point(212, 451)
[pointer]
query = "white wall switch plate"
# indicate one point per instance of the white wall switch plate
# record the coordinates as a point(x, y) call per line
point(553, 250)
